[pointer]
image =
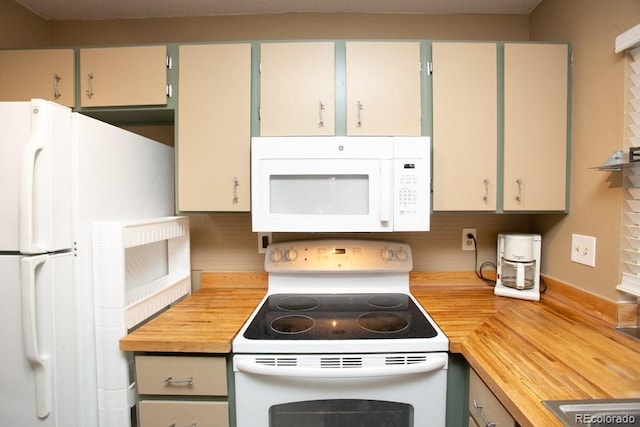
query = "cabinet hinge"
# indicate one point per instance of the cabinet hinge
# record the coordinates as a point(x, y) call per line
point(429, 68)
point(169, 91)
point(169, 62)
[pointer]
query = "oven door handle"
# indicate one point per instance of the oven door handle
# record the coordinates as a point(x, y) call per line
point(249, 367)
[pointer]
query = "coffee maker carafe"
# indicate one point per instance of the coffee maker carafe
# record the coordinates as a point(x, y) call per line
point(518, 266)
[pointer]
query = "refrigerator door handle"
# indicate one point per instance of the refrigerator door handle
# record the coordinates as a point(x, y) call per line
point(27, 190)
point(39, 362)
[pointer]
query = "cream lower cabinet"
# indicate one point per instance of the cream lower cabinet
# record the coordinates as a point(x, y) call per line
point(535, 127)
point(383, 90)
point(465, 126)
point(123, 76)
point(297, 89)
point(38, 73)
point(182, 391)
point(214, 128)
point(484, 408)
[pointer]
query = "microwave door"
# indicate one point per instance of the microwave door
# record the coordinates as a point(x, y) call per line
point(330, 195)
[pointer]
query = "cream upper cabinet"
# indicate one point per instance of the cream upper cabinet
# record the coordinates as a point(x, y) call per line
point(465, 126)
point(535, 127)
point(297, 89)
point(383, 88)
point(123, 76)
point(213, 127)
point(46, 73)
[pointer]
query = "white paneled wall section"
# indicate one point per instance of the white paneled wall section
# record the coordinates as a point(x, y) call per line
point(630, 282)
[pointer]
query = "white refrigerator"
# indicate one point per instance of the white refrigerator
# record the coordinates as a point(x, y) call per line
point(60, 172)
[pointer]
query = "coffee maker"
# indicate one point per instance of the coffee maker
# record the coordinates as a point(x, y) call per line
point(518, 266)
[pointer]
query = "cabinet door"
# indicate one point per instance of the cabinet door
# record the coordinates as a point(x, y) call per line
point(465, 129)
point(48, 74)
point(123, 76)
point(297, 89)
point(535, 127)
point(484, 407)
point(154, 413)
point(214, 125)
point(383, 88)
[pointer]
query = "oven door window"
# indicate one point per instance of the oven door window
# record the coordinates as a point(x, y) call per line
point(319, 194)
point(341, 413)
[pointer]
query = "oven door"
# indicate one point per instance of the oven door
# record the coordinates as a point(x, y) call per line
point(399, 390)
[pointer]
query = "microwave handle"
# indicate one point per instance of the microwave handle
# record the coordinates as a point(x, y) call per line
point(386, 205)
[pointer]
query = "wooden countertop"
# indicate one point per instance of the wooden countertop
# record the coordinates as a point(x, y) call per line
point(524, 351)
point(204, 322)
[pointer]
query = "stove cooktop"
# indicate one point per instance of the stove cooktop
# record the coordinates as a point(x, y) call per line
point(366, 316)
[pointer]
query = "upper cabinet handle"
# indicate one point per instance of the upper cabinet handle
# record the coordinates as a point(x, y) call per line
point(236, 184)
point(486, 190)
point(360, 108)
point(89, 90)
point(519, 196)
point(321, 113)
point(56, 86)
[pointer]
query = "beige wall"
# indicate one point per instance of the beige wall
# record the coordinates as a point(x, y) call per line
point(21, 28)
point(225, 241)
point(597, 130)
point(290, 26)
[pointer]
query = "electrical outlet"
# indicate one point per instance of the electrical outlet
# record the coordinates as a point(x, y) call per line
point(583, 249)
point(264, 240)
point(467, 243)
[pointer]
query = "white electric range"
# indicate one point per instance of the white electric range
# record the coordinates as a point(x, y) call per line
point(339, 341)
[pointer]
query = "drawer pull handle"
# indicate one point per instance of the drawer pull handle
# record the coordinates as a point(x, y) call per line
point(192, 425)
point(186, 381)
point(480, 408)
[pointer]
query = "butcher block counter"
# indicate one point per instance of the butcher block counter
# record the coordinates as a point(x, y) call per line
point(524, 351)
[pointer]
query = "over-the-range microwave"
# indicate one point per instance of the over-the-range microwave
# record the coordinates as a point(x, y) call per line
point(340, 184)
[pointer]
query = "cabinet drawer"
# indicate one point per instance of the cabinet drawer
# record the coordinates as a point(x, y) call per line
point(181, 375)
point(155, 413)
point(484, 407)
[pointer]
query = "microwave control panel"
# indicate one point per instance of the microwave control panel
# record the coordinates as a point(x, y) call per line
point(411, 186)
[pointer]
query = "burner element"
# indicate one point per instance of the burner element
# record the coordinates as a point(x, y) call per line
point(294, 324)
point(383, 322)
point(384, 301)
point(298, 303)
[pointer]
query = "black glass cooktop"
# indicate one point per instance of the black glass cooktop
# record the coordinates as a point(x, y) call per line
point(339, 316)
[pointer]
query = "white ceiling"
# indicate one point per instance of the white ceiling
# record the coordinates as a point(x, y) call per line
point(55, 10)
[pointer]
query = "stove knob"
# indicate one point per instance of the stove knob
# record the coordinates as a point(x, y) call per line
point(402, 255)
point(387, 254)
point(275, 256)
point(290, 255)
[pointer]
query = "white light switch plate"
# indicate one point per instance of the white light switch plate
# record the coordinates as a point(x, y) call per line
point(583, 249)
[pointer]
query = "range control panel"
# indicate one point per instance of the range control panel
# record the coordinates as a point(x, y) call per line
point(338, 255)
